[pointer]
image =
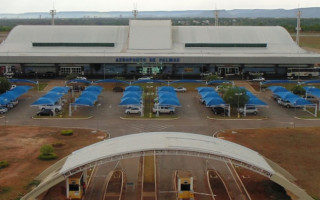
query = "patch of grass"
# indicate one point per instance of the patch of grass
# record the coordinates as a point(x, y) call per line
point(51, 156)
point(4, 189)
point(33, 183)
point(41, 87)
point(67, 132)
point(3, 164)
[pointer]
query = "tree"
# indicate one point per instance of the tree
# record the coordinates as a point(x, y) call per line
point(4, 84)
point(212, 77)
point(298, 90)
point(71, 76)
point(235, 96)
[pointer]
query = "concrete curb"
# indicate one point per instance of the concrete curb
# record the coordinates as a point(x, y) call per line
point(236, 119)
point(84, 118)
point(124, 118)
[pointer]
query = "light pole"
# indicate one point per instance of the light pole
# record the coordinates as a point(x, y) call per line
point(238, 94)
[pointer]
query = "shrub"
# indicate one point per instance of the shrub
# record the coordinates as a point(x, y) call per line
point(68, 132)
point(33, 183)
point(47, 152)
point(4, 164)
point(4, 189)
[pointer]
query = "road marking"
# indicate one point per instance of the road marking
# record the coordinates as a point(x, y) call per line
point(240, 180)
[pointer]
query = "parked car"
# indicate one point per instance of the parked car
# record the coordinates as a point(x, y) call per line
point(259, 79)
point(3, 110)
point(220, 110)
point(45, 112)
point(118, 89)
point(57, 108)
point(81, 78)
point(133, 110)
point(14, 102)
point(206, 74)
point(163, 109)
point(180, 89)
point(145, 78)
point(13, 86)
point(249, 110)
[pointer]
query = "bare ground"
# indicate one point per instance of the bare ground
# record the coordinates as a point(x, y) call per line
point(20, 147)
point(295, 149)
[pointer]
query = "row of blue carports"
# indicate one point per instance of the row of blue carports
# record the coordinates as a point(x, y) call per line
point(88, 97)
point(132, 96)
point(211, 98)
point(12, 95)
point(294, 100)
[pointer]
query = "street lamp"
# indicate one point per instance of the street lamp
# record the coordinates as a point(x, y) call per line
point(238, 94)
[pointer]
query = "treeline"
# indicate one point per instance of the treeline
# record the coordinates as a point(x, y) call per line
point(308, 25)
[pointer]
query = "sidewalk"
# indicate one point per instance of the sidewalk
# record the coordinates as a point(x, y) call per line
point(53, 83)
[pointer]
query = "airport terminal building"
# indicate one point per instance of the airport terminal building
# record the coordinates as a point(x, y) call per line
point(153, 47)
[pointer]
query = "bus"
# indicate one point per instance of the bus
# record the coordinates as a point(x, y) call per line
point(184, 181)
point(303, 72)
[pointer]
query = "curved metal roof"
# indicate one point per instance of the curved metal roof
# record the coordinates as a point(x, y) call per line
point(153, 141)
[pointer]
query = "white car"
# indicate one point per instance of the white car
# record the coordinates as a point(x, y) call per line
point(133, 110)
point(56, 108)
point(145, 78)
point(180, 89)
point(13, 86)
point(249, 110)
point(163, 109)
point(81, 78)
point(260, 79)
point(3, 110)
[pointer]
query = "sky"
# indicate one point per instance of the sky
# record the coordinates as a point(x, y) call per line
point(23, 6)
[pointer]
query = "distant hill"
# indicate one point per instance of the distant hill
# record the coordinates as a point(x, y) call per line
point(237, 13)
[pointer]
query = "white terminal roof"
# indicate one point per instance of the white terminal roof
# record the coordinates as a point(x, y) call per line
point(153, 38)
point(163, 141)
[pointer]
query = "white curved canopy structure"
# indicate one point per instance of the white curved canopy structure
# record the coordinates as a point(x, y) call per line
point(164, 143)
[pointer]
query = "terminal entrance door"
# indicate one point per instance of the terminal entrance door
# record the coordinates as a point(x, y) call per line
point(228, 71)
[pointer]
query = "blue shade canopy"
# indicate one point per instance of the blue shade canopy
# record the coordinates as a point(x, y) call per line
point(149, 81)
point(311, 82)
point(129, 101)
point(210, 102)
point(203, 89)
point(132, 95)
point(209, 94)
point(78, 81)
point(169, 102)
point(301, 102)
point(53, 96)
point(83, 101)
point(59, 89)
point(4, 101)
point(278, 81)
point(133, 88)
point(22, 81)
point(43, 101)
point(256, 102)
point(90, 95)
point(111, 81)
point(219, 82)
point(277, 89)
point(10, 95)
point(187, 81)
point(93, 92)
point(166, 89)
point(249, 94)
point(286, 95)
point(167, 95)
point(94, 88)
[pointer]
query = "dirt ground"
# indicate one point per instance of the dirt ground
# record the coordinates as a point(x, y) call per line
point(20, 146)
point(295, 149)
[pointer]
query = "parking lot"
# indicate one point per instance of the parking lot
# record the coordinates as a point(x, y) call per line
point(108, 115)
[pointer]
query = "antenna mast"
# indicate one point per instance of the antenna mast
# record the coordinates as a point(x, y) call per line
point(216, 14)
point(52, 13)
point(298, 27)
point(135, 11)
